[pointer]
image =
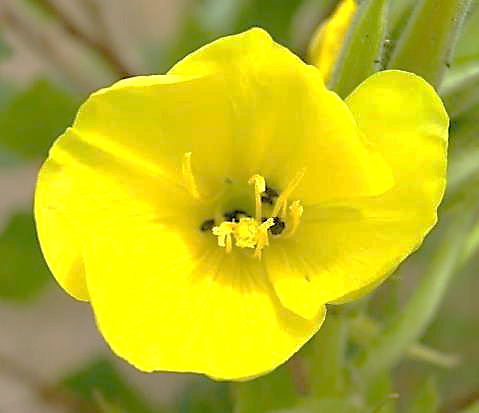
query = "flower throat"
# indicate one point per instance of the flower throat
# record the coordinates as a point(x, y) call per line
point(244, 230)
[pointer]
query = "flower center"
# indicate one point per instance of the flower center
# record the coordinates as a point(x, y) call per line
point(246, 231)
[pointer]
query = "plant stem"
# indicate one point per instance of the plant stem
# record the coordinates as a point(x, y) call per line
point(428, 41)
point(387, 349)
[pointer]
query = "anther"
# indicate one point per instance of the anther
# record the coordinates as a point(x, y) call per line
point(269, 195)
point(234, 216)
point(278, 226)
point(207, 225)
point(224, 233)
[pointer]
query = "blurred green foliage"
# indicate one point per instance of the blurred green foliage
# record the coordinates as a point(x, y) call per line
point(205, 396)
point(23, 273)
point(415, 360)
point(33, 118)
point(99, 384)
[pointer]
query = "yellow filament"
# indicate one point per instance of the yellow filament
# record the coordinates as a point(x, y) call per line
point(259, 188)
point(262, 237)
point(188, 176)
point(281, 203)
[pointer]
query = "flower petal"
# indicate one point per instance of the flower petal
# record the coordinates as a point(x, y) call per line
point(159, 118)
point(346, 248)
point(83, 188)
point(163, 302)
point(286, 120)
point(292, 283)
point(123, 158)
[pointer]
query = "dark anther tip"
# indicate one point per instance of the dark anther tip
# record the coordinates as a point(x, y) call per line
point(278, 226)
point(235, 215)
point(207, 225)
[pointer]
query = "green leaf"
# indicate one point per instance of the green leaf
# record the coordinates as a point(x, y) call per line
point(427, 398)
point(427, 43)
point(386, 350)
point(323, 406)
point(327, 358)
point(7, 92)
point(362, 50)
point(23, 273)
point(33, 119)
point(99, 384)
point(273, 391)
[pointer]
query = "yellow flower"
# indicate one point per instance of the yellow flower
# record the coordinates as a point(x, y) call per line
point(209, 214)
point(326, 42)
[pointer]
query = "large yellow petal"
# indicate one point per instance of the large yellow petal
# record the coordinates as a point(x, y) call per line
point(158, 118)
point(83, 188)
point(122, 158)
point(347, 247)
point(291, 279)
point(286, 120)
point(165, 302)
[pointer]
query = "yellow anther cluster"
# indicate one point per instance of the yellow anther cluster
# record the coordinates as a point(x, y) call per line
point(251, 232)
point(248, 233)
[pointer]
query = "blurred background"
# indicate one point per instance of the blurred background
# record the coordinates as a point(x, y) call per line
point(53, 53)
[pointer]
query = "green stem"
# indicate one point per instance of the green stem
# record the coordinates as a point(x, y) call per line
point(428, 41)
point(387, 349)
point(364, 329)
point(328, 362)
point(463, 96)
point(362, 50)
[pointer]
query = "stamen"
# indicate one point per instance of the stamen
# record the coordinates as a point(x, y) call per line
point(262, 237)
point(188, 176)
point(207, 224)
point(282, 202)
point(259, 188)
point(247, 232)
point(224, 232)
point(296, 211)
point(254, 233)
